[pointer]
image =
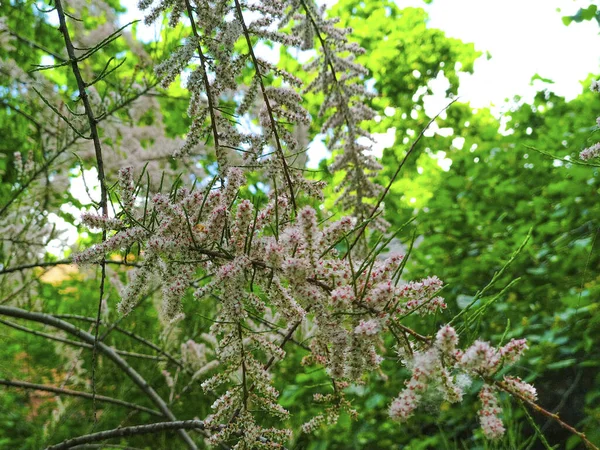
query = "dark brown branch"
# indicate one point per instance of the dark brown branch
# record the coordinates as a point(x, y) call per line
point(60, 391)
point(58, 263)
point(108, 351)
point(93, 122)
point(130, 431)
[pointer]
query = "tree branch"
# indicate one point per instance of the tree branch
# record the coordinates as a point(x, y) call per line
point(93, 122)
point(61, 391)
point(109, 352)
point(130, 431)
point(74, 343)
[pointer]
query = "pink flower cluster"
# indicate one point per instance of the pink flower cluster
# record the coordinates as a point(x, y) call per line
point(442, 365)
point(594, 150)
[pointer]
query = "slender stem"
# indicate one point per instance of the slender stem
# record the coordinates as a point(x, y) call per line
point(243, 359)
point(61, 391)
point(159, 427)
point(93, 122)
point(203, 63)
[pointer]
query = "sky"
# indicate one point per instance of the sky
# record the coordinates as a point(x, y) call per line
point(523, 37)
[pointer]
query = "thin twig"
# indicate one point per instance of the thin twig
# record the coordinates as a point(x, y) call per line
point(396, 173)
point(58, 263)
point(61, 391)
point(259, 77)
point(203, 63)
point(93, 122)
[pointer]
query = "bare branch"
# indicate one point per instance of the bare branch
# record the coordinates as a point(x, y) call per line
point(61, 391)
point(130, 431)
point(93, 122)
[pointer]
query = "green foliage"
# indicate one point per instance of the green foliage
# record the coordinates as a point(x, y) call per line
point(469, 220)
point(589, 13)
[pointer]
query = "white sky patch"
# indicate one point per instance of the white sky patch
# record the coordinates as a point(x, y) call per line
point(68, 232)
point(67, 235)
point(381, 141)
point(317, 151)
point(78, 186)
point(523, 38)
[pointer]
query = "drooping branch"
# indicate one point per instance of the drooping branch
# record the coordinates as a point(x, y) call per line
point(61, 391)
point(259, 77)
point(138, 338)
point(106, 350)
point(159, 427)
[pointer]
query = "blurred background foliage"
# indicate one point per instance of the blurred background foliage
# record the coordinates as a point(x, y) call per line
point(507, 179)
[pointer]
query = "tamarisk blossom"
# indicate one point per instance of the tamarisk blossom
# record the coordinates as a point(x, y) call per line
point(590, 152)
point(340, 78)
point(442, 366)
point(491, 424)
point(273, 258)
point(296, 269)
point(594, 150)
